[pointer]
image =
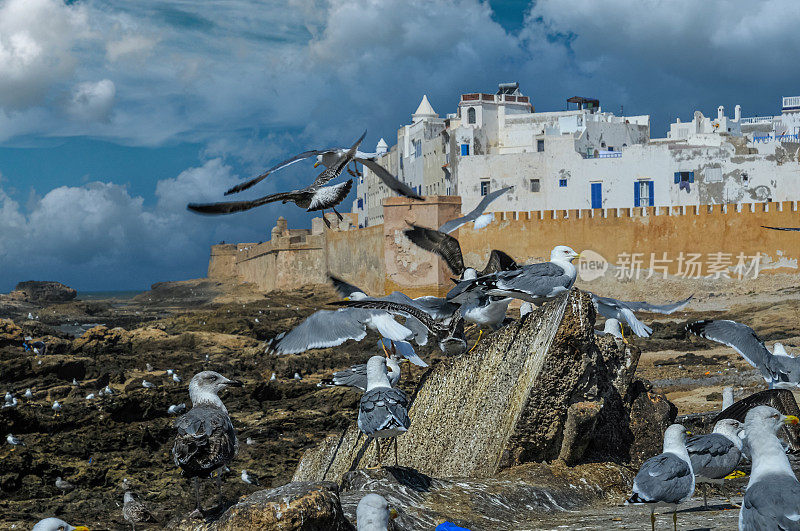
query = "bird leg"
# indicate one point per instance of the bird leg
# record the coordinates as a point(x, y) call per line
point(480, 334)
point(386, 352)
point(328, 223)
point(470, 328)
point(337, 213)
point(377, 450)
point(653, 519)
point(705, 496)
point(675, 518)
point(198, 511)
point(395, 452)
point(622, 332)
point(219, 486)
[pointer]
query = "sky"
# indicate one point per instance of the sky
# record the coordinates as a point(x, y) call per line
point(115, 114)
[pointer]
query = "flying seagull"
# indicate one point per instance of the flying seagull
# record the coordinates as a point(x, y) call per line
point(781, 399)
point(315, 196)
point(449, 335)
point(382, 410)
point(772, 498)
point(782, 372)
point(206, 439)
point(534, 283)
point(666, 479)
point(616, 309)
point(331, 158)
point(793, 229)
point(717, 454)
point(476, 215)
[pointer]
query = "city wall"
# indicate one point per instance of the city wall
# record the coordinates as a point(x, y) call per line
point(696, 241)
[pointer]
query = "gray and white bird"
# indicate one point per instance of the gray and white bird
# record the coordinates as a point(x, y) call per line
point(611, 326)
point(356, 376)
point(772, 498)
point(148, 385)
point(779, 371)
point(206, 439)
point(108, 391)
point(12, 403)
point(249, 478)
point(177, 379)
point(57, 524)
point(56, 406)
point(90, 396)
point(715, 455)
point(170, 372)
point(133, 510)
point(28, 394)
point(666, 479)
point(176, 409)
point(64, 485)
point(781, 399)
point(273, 377)
point(625, 311)
point(315, 196)
point(297, 376)
point(476, 215)
point(373, 513)
point(534, 283)
point(382, 410)
point(13, 440)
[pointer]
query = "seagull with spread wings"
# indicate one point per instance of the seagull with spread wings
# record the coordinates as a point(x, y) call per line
point(315, 196)
point(477, 216)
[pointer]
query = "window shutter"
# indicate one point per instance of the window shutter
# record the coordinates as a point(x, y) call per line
point(650, 189)
point(691, 176)
point(636, 199)
point(677, 177)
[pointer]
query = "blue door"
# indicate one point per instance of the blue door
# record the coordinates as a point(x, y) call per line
point(597, 195)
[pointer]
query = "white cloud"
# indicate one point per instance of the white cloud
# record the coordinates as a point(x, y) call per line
point(130, 47)
point(92, 101)
point(37, 38)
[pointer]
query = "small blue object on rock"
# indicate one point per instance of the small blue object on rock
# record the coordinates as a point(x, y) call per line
point(448, 526)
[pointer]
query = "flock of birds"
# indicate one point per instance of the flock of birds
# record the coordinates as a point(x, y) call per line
point(206, 441)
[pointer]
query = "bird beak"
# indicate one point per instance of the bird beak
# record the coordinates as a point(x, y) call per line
point(234, 383)
point(316, 164)
point(81, 528)
point(790, 419)
point(688, 432)
point(577, 255)
point(393, 513)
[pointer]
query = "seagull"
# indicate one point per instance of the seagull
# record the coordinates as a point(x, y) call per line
point(28, 394)
point(666, 479)
point(108, 390)
point(206, 439)
point(618, 310)
point(170, 372)
point(13, 403)
point(75, 382)
point(716, 454)
point(9, 397)
point(90, 396)
point(56, 524)
point(315, 196)
point(273, 377)
point(781, 399)
point(176, 378)
point(148, 385)
point(450, 336)
point(149, 368)
point(356, 376)
point(250, 441)
point(331, 158)
point(56, 406)
point(133, 510)
point(373, 513)
point(772, 498)
point(176, 409)
point(534, 283)
point(476, 215)
point(14, 441)
point(382, 411)
point(249, 478)
point(64, 485)
point(613, 327)
point(297, 376)
point(782, 372)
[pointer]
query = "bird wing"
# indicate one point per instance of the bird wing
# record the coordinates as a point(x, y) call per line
point(743, 340)
point(395, 308)
point(355, 376)
point(536, 280)
point(288, 162)
point(772, 503)
point(498, 261)
point(383, 408)
point(611, 308)
point(389, 180)
point(343, 288)
point(439, 243)
point(333, 171)
point(323, 329)
point(781, 399)
point(713, 456)
point(666, 309)
point(436, 307)
point(329, 196)
point(793, 229)
point(453, 224)
point(205, 440)
point(663, 478)
point(229, 207)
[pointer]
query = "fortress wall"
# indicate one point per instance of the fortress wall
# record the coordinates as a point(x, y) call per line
point(222, 263)
point(656, 232)
point(356, 256)
point(285, 262)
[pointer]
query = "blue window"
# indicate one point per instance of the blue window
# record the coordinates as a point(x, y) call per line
point(360, 204)
point(684, 177)
point(417, 148)
point(465, 150)
point(643, 193)
point(562, 183)
point(597, 195)
point(484, 187)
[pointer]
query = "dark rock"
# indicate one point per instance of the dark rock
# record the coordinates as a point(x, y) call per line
point(103, 340)
point(651, 414)
point(10, 333)
point(45, 291)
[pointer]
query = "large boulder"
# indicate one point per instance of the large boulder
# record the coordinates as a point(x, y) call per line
point(44, 291)
point(10, 333)
point(540, 389)
point(101, 339)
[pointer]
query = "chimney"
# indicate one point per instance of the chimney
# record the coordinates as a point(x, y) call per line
point(720, 112)
point(737, 113)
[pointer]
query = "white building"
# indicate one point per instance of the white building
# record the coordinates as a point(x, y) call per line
point(585, 158)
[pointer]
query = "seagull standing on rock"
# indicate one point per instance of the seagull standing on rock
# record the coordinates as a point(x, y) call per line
point(64, 485)
point(382, 411)
point(148, 385)
point(249, 478)
point(56, 407)
point(133, 510)
point(716, 454)
point(14, 441)
point(373, 513)
point(206, 440)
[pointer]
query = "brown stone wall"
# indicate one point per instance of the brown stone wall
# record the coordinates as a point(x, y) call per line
point(356, 256)
point(408, 268)
point(222, 263)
